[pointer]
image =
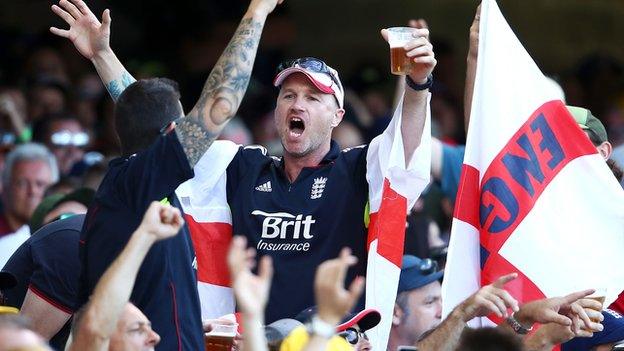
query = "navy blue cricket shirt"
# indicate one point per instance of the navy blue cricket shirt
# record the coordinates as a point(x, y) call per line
point(166, 285)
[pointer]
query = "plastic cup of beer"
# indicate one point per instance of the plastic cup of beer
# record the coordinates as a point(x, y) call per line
point(400, 64)
point(221, 337)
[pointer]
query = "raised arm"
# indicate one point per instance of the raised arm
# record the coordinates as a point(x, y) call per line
point(92, 39)
point(415, 104)
point(226, 85)
point(471, 66)
point(113, 291)
point(491, 298)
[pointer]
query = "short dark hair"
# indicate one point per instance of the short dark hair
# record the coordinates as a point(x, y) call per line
point(488, 339)
point(143, 109)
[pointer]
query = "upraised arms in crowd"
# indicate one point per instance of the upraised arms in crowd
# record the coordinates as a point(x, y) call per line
point(224, 88)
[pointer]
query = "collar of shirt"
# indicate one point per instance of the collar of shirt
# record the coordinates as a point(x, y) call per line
point(330, 156)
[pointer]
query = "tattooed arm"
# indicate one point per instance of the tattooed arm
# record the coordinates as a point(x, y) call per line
point(226, 85)
point(92, 39)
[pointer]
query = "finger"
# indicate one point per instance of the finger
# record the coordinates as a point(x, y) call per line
point(580, 312)
point(265, 269)
point(82, 7)
point(413, 23)
point(508, 299)
point(576, 324)
point(568, 299)
point(384, 34)
point(71, 8)
point(356, 288)
point(106, 19)
point(590, 303)
point(63, 14)
point(60, 32)
point(166, 215)
point(430, 60)
point(421, 23)
point(554, 317)
point(420, 51)
point(500, 304)
point(584, 334)
point(594, 315)
point(491, 307)
point(418, 42)
point(421, 33)
point(501, 281)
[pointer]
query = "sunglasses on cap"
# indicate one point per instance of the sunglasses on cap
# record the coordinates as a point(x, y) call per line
point(427, 266)
point(352, 335)
point(67, 138)
point(312, 64)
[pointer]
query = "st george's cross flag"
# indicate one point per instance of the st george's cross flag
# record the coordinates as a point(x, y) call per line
point(534, 197)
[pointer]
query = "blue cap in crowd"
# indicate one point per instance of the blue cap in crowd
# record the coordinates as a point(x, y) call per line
point(417, 273)
point(613, 332)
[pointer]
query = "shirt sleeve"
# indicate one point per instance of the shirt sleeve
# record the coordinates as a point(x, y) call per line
point(56, 269)
point(386, 161)
point(452, 160)
point(155, 173)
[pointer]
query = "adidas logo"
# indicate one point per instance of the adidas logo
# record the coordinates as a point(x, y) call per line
point(266, 187)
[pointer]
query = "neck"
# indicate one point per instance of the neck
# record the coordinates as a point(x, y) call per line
point(395, 340)
point(294, 164)
point(13, 221)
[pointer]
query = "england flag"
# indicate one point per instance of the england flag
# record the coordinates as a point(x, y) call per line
point(535, 197)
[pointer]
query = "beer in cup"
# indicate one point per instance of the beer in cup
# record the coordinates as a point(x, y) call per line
point(400, 64)
point(221, 337)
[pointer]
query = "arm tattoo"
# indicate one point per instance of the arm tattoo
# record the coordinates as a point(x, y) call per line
point(117, 86)
point(222, 93)
point(194, 137)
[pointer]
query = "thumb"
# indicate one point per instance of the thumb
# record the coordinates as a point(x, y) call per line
point(106, 19)
point(384, 34)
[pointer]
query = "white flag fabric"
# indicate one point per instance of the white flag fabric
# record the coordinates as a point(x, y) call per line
point(534, 197)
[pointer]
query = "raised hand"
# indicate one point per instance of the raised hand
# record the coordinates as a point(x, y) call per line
point(419, 50)
point(161, 221)
point(570, 310)
point(264, 6)
point(332, 299)
point(89, 36)
point(492, 298)
point(251, 291)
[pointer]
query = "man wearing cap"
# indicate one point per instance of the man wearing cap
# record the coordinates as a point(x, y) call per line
point(418, 306)
point(47, 268)
point(302, 208)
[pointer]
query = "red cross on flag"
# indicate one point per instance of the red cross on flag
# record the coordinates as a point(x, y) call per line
point(535, 197)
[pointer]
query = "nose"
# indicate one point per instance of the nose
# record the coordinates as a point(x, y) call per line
point(153, 338)
point(363, 345)
point(296, 105)
point(439, 309)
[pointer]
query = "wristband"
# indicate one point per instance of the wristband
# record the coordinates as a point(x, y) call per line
point(321, 328)
point(516, 326)
point(418, 87)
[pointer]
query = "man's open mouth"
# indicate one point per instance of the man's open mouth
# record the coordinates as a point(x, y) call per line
point(296, 126)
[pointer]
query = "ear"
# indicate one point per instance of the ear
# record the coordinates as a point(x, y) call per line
point(605, 149)
point(397, 315)
point(337, 117)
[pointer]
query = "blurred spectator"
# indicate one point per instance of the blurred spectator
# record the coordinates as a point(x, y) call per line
point(7, 281)
point(236, 132)
point(489, 339)
point(65, 136)
point(418, 306)
point(15, 334)
point(347, 135)
point(46, 96)
point(277, 331)
point(29, 169)
point(354, 327)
